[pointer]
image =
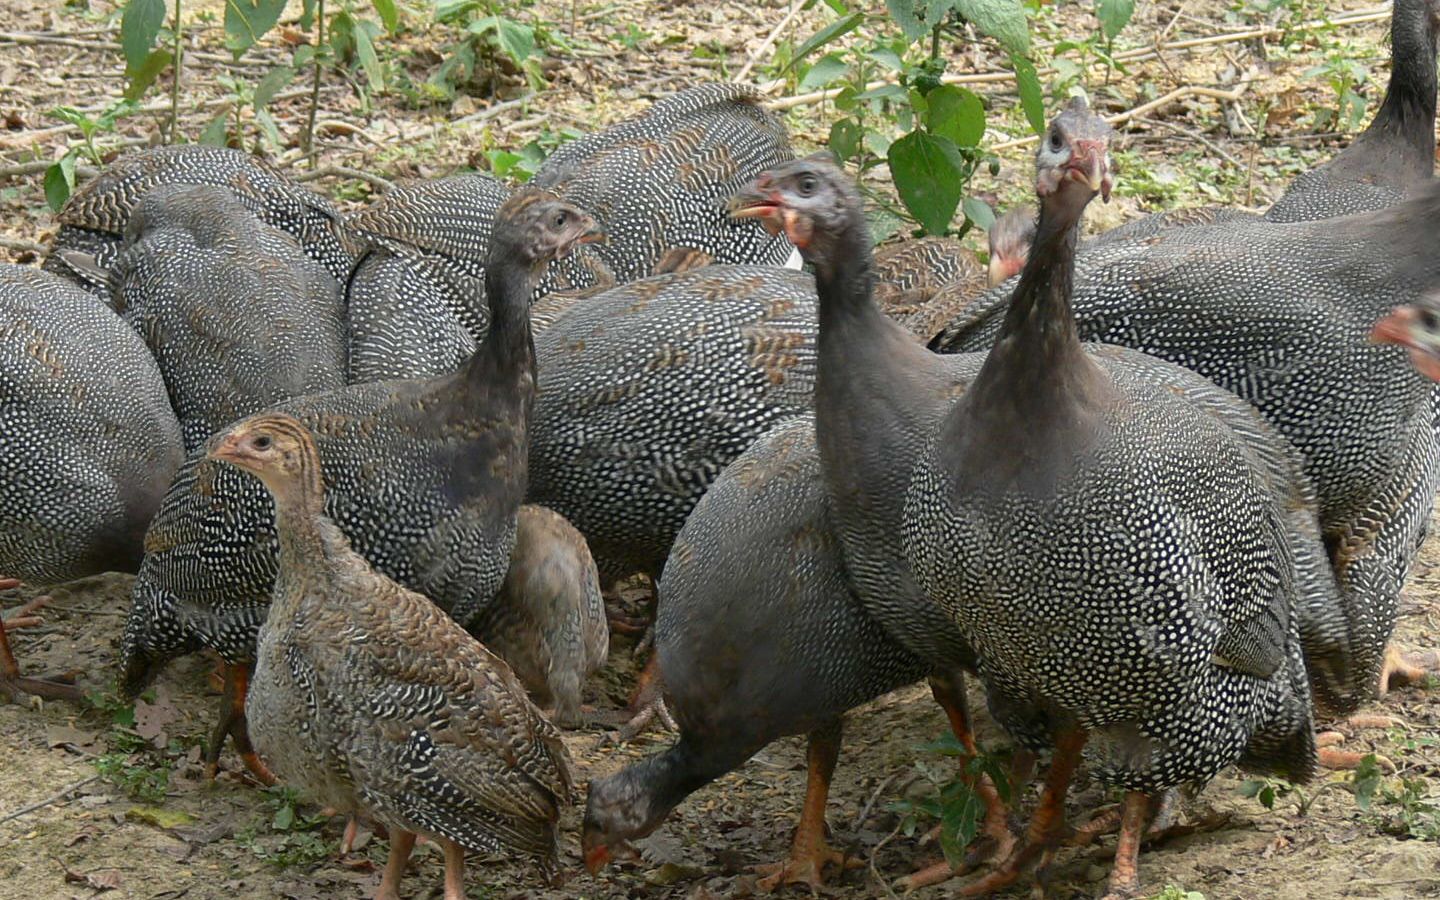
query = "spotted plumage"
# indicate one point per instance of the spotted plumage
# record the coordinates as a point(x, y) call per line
point(922, 284)
point(94, 219)
point(1395, 155)
point(237, 316)
point(369, 699)
point(650, 389)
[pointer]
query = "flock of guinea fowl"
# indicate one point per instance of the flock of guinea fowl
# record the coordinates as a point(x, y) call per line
point(1156, 490)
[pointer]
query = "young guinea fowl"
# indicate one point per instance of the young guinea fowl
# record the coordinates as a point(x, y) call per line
point(88, 442)
point(424, 477)
point(548, 619)
point(1395, 155)
point(758, 635)
point(1278, 314)
point(369, 699)
point(1010, 236)
point(94, 220)
point(875, 397)
point(236, 315)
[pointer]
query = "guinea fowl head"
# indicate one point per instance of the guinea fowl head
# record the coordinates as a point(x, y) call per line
point(275, 448)
point(1010, 238)
point(814, 203)
point(535, 227)
point(1417, 329)
point(1072, 163)
point(620, 807)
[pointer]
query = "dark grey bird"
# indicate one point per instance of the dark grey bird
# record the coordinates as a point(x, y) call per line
point(423, 476)
point(88, 442)
point(235, 313)
point(369, 699)
point(93, 222)
point(1395, 155)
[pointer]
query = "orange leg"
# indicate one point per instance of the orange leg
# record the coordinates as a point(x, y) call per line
point(402, 843)
point(999, 840)
point(11, 681)
point(1403, 670)
point(454, 870)
point(1125, 876)
point(809, 852)
point(233, 725)
point(1045, 823)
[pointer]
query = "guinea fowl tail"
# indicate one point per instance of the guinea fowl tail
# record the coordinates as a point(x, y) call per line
point(153, 637)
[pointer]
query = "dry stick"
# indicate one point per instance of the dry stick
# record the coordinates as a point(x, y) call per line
point(1189, 90)
point(315, 85)
point(21, 244)
point(1123, 56)
point(49, 800)
point(1194, 136)
point(31, 40)
point(178, 27)
point(491, 112)
point(384, 184)
point(769, 41)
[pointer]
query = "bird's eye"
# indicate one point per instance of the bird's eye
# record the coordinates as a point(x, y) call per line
point(561, 218)
point(263, 442)
point(807, 185)
point(1429, 320)
point(1055, 141)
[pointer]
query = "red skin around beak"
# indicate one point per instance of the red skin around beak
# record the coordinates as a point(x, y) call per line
point(596, 858)
point(1396, 329)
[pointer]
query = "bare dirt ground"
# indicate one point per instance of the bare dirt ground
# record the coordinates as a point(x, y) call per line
point(96, 800)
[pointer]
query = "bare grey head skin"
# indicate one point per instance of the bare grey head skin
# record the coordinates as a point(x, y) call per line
point(1415, 327)
point(1010, 237)
point(1076, 147)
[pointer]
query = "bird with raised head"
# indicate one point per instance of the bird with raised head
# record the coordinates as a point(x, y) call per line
point(370, 700)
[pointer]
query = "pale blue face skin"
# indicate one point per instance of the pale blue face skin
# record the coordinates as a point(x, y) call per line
point(1075, 146)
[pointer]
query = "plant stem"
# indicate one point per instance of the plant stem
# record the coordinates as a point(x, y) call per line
point(175, 79)
point(315, 84)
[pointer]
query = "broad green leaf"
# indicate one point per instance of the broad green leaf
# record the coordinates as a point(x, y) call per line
point(369, 62)
point(1003, 20)
point(139, 25)
point(451, 9)
point(887, 58)
point(957, 114)
point(217, 133)
point(307, 14)
point(845, 137)
point(303, 55)
point(1114, 15)
point(958, 824)
point(60, 181)
point(1032, 96)
point(936, 11)
point(835, 30)
point(883, 92)
point(827, 69)
point(141, 78)
point(928, 176)
point(905, 15)
point(388, 14)
point(978, 212)
point(284, 818)
point(515, 39)
point(247, 21)
point(271, 84)
point(877, 143)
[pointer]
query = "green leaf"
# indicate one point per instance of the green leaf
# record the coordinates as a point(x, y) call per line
point(904, 14)
point(217, 133)
point(268, 126)
point(827, 69)
point(271, 84)
point(369, 62)
point(928, 174)
point(1114, 15)
point(845, 137)
point(159, 817)
point(72, 116)
point(1003, 20)
point(877, 143)
point(284, 818)
point(141, 78)
point(978, 212)
point(957, 114)
point(60, 181)
point(1032, 96)
point(247, 21)
point(303, 56)
point(516, 39)
point(388, 14)
point(453, 9)
point(958, 825)
point(887, 58)
point(834, 31)
point(139, 25)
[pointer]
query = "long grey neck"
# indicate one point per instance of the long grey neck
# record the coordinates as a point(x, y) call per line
point(1408, 111)
point(508, 351)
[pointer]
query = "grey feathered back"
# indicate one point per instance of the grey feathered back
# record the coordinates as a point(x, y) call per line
point(88, 440)
point(237, 316)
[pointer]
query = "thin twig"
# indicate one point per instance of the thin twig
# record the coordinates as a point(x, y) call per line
point(769, 41)
point(25, 39)
point(493, 110)
point(875, 797)
point(1189, 90)
point(178, 27)
point(384, 184)
point(21, 244)
point(874, 872)
point(309, 142)
point(1194, 136)
point(49, 800)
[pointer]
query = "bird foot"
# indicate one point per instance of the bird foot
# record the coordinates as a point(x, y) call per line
point(1164, 823)
point(58, 687)
point(12, 683)
point(995, 842)
point(620, 623)
point(641, 721)
point(803, 868)
point(1405, 669)
point(1333, 758)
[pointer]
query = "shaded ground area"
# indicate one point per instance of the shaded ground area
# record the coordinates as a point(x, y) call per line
point(120, 807)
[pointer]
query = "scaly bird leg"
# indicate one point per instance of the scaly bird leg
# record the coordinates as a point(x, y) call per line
point(647, 702)
point(454, 870)
point(232, 724)
point(1125, 876)
point(11, 681)
point(402, 843)
point(809, 851)
point(1404, 669)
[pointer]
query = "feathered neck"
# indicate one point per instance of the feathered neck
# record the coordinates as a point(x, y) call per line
point(508, 350)
point(1408, 110)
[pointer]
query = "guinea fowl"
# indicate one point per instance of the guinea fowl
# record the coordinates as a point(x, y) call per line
point(1395, 155)
point(758, 636)
point(235, 313)
point(548, 619)
point(89, 443)
point(876, 396)
point(424, 477)
point(1416, 327)
point(1011, 235)
point(94, 220)
point(1278, 314)
point(369, 699)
